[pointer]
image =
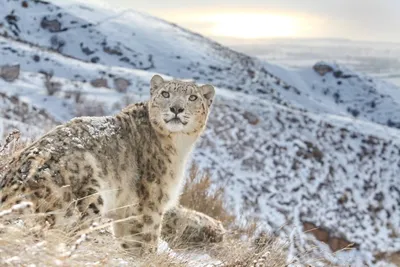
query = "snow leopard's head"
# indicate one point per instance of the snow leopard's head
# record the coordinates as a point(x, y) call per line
point(178, 106)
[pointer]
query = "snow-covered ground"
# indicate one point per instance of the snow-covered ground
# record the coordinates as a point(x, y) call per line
point(289, 146)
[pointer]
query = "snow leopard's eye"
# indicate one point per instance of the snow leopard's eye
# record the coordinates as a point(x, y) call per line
point(165, 94)
point(192, 98)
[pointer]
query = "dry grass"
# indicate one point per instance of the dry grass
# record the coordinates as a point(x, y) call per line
point(234, 250)
point(196, 195)
point(24, 246)
point(10, 146)
point(244, 254)
point(22, 243)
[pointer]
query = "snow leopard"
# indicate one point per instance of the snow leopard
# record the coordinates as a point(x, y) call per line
point(128, 167)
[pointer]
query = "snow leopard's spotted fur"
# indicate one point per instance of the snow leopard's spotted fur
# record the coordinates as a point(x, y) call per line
point(124, 166)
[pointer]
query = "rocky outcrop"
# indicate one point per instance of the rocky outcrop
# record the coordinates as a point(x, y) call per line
point(191, 228)
point(121, 84)
point(334, 242)
point(52, 25)
point(9, 73)
point(100, 82)
point(322, 68)
point(251, 118)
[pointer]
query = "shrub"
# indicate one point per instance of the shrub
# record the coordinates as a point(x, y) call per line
point(196, 195)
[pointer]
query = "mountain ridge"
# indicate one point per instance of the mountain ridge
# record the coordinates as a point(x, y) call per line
point(285, 163)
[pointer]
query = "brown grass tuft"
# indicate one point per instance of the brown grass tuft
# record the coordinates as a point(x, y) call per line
point(235, 253)
point(196, 195)
point(8, 148)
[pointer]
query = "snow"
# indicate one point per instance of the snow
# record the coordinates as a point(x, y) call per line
point(192, 259)
point(305, 153)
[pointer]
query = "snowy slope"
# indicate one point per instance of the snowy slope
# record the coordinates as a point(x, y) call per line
point(131, 39)
point(357, 94)
point(283, 164)
point(35, 59)
point(134, 40)
point(16, 113)
point(339, 173)
point(346, 93)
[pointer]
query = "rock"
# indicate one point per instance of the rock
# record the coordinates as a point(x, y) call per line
point(101, 82)
point(251, 118)
point(86, 50)
point(191, 228)
point(95, 59)
point(52, 87)
point(335, 243)
point(121, 84)
point(339, 74)
point(57, 43)
point(319, 234)
point(50, 25)
point(112, 51)
point(322, 68)
point(36, 58)
point(251, 73)
point(10, 73)
point(390, 257)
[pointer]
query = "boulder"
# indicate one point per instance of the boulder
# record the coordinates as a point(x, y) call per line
point(121, 84)
point(322, 68)
point(10, 73)
point(186, 227)
point(50, 25)
point(100, 82)
point(251, 118)
point(334, 242)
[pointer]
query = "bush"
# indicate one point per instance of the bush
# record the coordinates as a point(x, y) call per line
point(196, 195)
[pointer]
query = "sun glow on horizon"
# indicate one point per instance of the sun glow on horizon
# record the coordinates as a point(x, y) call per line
point(246, 23)
point(251, 26)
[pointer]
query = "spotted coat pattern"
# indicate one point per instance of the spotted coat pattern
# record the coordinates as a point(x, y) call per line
point(127, 167)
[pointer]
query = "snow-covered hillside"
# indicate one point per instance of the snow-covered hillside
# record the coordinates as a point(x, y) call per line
point(284, 165)
point(338, 90)
point(134, 40)
point(309, 160)
point(340, 174)
point(131, 39)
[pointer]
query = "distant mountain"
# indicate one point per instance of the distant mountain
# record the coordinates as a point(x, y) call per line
point(347, 93)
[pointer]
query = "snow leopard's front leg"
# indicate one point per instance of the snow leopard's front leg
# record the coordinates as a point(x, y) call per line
point(139, 231)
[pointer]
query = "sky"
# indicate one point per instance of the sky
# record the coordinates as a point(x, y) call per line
point(238, 20)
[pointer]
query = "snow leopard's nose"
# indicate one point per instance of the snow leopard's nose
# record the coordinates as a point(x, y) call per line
point(176, 110)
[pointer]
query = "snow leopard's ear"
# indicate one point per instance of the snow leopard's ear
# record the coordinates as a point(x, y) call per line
point(208, 92)
point(155, 83)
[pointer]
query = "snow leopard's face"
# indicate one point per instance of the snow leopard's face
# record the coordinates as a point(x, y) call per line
point(177, 106)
